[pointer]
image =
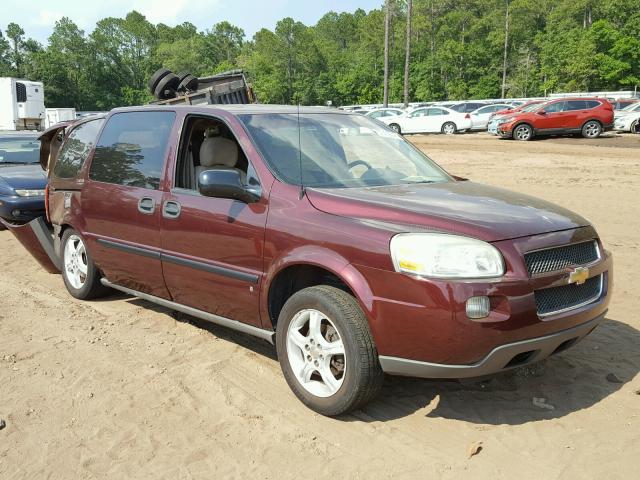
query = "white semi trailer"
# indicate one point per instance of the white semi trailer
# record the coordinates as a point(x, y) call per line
point(21, 104)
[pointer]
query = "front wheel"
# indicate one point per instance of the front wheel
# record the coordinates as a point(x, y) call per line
point(449, 128)
point(80, 274)
point(523, 132)
point(591, 129)
point(326, 351)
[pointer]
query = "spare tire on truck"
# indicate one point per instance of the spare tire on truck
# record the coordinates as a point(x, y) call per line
point(167, 87)
point(156, 77)
point(187, 83)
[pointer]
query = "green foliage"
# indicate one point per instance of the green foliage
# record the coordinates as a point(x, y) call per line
point(457, 52)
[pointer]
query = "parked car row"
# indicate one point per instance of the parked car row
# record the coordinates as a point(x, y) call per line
point(588, 116)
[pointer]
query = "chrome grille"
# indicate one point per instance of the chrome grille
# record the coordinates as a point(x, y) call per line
point(566, 297)
point(558, 258)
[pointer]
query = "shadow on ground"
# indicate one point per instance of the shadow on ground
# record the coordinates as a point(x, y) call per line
point(573, 380)
point(570, 381)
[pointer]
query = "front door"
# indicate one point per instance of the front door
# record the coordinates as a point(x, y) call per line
point(553, 118)
point(121, 201)
point(213, 247)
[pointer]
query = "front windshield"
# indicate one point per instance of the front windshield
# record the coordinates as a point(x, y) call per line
point(530, 108)
point(337, 151)
point(19, 150)
point(631, 107)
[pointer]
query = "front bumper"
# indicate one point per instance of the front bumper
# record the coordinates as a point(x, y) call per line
point(21, 209)
point(425, 320)
point(502, 358)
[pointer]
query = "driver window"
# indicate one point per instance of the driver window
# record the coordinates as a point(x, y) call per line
point(208, 144)
point(554, 107)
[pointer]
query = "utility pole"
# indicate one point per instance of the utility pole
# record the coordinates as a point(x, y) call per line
point(407, 54)
point(506, 48)
point(387, 25)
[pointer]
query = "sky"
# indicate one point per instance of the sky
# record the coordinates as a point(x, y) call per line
point(37, 17)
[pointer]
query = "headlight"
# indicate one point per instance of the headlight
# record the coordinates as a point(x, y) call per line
point(445, 256)
point(30, 193)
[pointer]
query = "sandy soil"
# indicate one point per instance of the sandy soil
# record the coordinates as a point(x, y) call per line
point(122, 389)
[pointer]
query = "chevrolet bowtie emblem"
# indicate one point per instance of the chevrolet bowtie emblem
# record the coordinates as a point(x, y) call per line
point(579, 275)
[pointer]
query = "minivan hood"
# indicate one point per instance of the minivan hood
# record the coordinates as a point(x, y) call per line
point(29, 176)
point(463, 207)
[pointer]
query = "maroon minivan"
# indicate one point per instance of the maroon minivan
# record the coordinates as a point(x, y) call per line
point(322, 232)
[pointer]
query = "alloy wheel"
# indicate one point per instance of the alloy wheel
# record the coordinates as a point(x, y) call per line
point(316, 353)
point(592, 129)
point(449, 128)
point(522, 132)
point(75, 262)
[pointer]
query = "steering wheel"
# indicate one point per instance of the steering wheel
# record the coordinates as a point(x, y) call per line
point(356, 163)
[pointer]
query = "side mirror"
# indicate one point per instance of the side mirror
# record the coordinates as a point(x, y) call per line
point(542, 112)
point(226, 183)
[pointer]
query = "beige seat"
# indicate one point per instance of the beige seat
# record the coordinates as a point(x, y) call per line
point(218, 153)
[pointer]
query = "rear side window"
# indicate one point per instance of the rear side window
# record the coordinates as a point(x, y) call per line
point(592, 103)
point(131, 149)
point(76, 148)
point(575, 105)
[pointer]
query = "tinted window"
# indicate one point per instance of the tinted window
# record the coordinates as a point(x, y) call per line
point(554, 107)
point(131, 149)
point(19, 149)
point(592, 103)
point(575, 105)
point(75, 149)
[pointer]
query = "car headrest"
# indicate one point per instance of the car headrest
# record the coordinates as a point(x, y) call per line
point(218, 152)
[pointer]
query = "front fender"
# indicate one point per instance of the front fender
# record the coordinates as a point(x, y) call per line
point(323, 258)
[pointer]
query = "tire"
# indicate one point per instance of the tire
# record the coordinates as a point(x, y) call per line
point(591, 129)
point(449, 128)
point(632, 129)
point(187, 82)
point(156, 77)
point(80, 274)
point(353, 374)
point(166, 87)
point(522, 132)
point(395, 127)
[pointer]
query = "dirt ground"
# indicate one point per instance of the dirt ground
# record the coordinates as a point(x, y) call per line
point(121, 389)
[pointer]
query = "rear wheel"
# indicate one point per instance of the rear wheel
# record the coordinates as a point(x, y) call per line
point(523, 132)
point(81, 276)
point(396, 127)
point(449, 128)
point(632, 129)
point(591, 129)
point(326, 351)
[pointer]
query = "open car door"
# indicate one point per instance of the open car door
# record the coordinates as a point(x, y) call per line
point(50, 143)
point(36, 236)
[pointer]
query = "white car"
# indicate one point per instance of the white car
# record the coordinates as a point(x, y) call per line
point(384, 112)
point(429, 120)
point(625, 120)
point(480, 117)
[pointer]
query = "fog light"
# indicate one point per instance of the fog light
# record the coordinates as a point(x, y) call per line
point(478, 307)
point(15, 213)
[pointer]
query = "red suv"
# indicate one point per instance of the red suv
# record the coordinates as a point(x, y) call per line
point(322, 232)
point(587, 116)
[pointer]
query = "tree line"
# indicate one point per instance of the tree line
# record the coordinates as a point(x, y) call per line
point(450, 49)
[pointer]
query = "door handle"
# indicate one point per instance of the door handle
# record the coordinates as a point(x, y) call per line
point(171, 209)
point(147, 205)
